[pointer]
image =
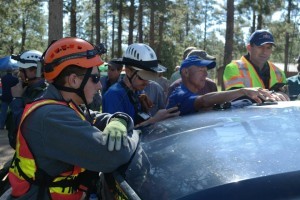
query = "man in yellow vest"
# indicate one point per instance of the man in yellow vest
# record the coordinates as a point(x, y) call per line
point(254, 69)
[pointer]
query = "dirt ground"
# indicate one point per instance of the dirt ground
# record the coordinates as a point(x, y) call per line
point(6, 152)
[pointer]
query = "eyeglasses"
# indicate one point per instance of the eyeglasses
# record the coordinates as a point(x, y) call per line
point(140, 77)
point(95, 77)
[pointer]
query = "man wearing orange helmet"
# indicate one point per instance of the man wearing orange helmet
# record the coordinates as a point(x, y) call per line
point(60, 149)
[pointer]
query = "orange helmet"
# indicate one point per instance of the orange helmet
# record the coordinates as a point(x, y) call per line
point(69, 51)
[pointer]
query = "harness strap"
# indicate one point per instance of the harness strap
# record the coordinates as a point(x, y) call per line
point(17, 161)
point(132, 97)
point(42, 179)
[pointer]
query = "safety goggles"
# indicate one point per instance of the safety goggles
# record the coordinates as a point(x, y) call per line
point(95, 77)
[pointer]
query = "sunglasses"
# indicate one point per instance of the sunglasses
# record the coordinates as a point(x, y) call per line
point(95, 77)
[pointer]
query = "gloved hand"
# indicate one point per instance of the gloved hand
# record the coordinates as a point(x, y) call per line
point(115, 132)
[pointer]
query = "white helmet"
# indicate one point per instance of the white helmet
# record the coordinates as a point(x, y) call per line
point(143, 57)
point(28, 59)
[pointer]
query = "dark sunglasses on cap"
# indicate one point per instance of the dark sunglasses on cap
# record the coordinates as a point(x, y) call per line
point(95, 77)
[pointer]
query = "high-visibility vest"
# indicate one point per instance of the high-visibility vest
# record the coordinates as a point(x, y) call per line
point(241, 73)
point(24, 170)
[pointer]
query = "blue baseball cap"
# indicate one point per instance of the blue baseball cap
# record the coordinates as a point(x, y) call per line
point(261, 37)
point(196, 61)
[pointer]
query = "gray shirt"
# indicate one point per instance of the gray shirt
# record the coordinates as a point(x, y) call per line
point(156, 94)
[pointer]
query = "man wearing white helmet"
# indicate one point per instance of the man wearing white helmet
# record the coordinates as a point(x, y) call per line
point(30, 86)
point(141, 65)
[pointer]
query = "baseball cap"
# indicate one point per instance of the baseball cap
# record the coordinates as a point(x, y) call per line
point(112, 63)
point(146, 75)
point(196, 61)
point(201, 54)
point(261, 37)
point(187, 51)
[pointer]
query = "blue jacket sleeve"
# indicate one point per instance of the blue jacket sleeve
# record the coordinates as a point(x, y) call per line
point(17, 107)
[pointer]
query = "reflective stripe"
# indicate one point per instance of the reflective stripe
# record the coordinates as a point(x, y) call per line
point(241, 80)
point(25, 160)
point(275, 72)
point(245, 74)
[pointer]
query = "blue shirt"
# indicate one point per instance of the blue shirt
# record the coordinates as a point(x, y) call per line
point(8, 81)
point(106, 83)
point(184, 99)
point(116, 99)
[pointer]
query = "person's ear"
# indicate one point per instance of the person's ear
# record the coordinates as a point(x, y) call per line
point(128, 71)
point(185, 72)
point(73, 81)
point(248, 47)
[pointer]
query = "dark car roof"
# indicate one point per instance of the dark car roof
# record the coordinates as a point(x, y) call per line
point(194, 153)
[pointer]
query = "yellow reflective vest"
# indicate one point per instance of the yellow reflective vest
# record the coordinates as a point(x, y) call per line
point(23, 171)
point(241, 73)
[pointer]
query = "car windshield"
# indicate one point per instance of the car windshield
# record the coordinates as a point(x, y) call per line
point(184, 155)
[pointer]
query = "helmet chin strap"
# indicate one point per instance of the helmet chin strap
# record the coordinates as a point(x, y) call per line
point(26, 79)
point(131, 77)
point(80, 90)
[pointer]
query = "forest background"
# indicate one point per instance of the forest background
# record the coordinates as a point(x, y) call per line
point(219, 27)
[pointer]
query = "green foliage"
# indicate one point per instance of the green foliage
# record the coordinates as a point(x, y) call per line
point(22, 26)
point(279, 30)
point(185, 23)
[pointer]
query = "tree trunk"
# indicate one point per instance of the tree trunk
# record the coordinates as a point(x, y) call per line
point(55, 31)
point(253, 21)
point(228, 38)
point(73, 20)
point(152, 24)
point(131, 22)
point(113, 29)
point(113, 37)
point(23, 34)
point(140, 21)
point(259, 21)
point(205, 26)
point(120, 29)
point(287, 38)
point(161, 29)
point(97, 16)
point(187, 21)
point(92, 32)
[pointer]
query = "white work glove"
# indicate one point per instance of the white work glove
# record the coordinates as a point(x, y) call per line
point(115, 132)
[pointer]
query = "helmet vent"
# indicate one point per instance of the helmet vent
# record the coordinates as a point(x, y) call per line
point(152, 56)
